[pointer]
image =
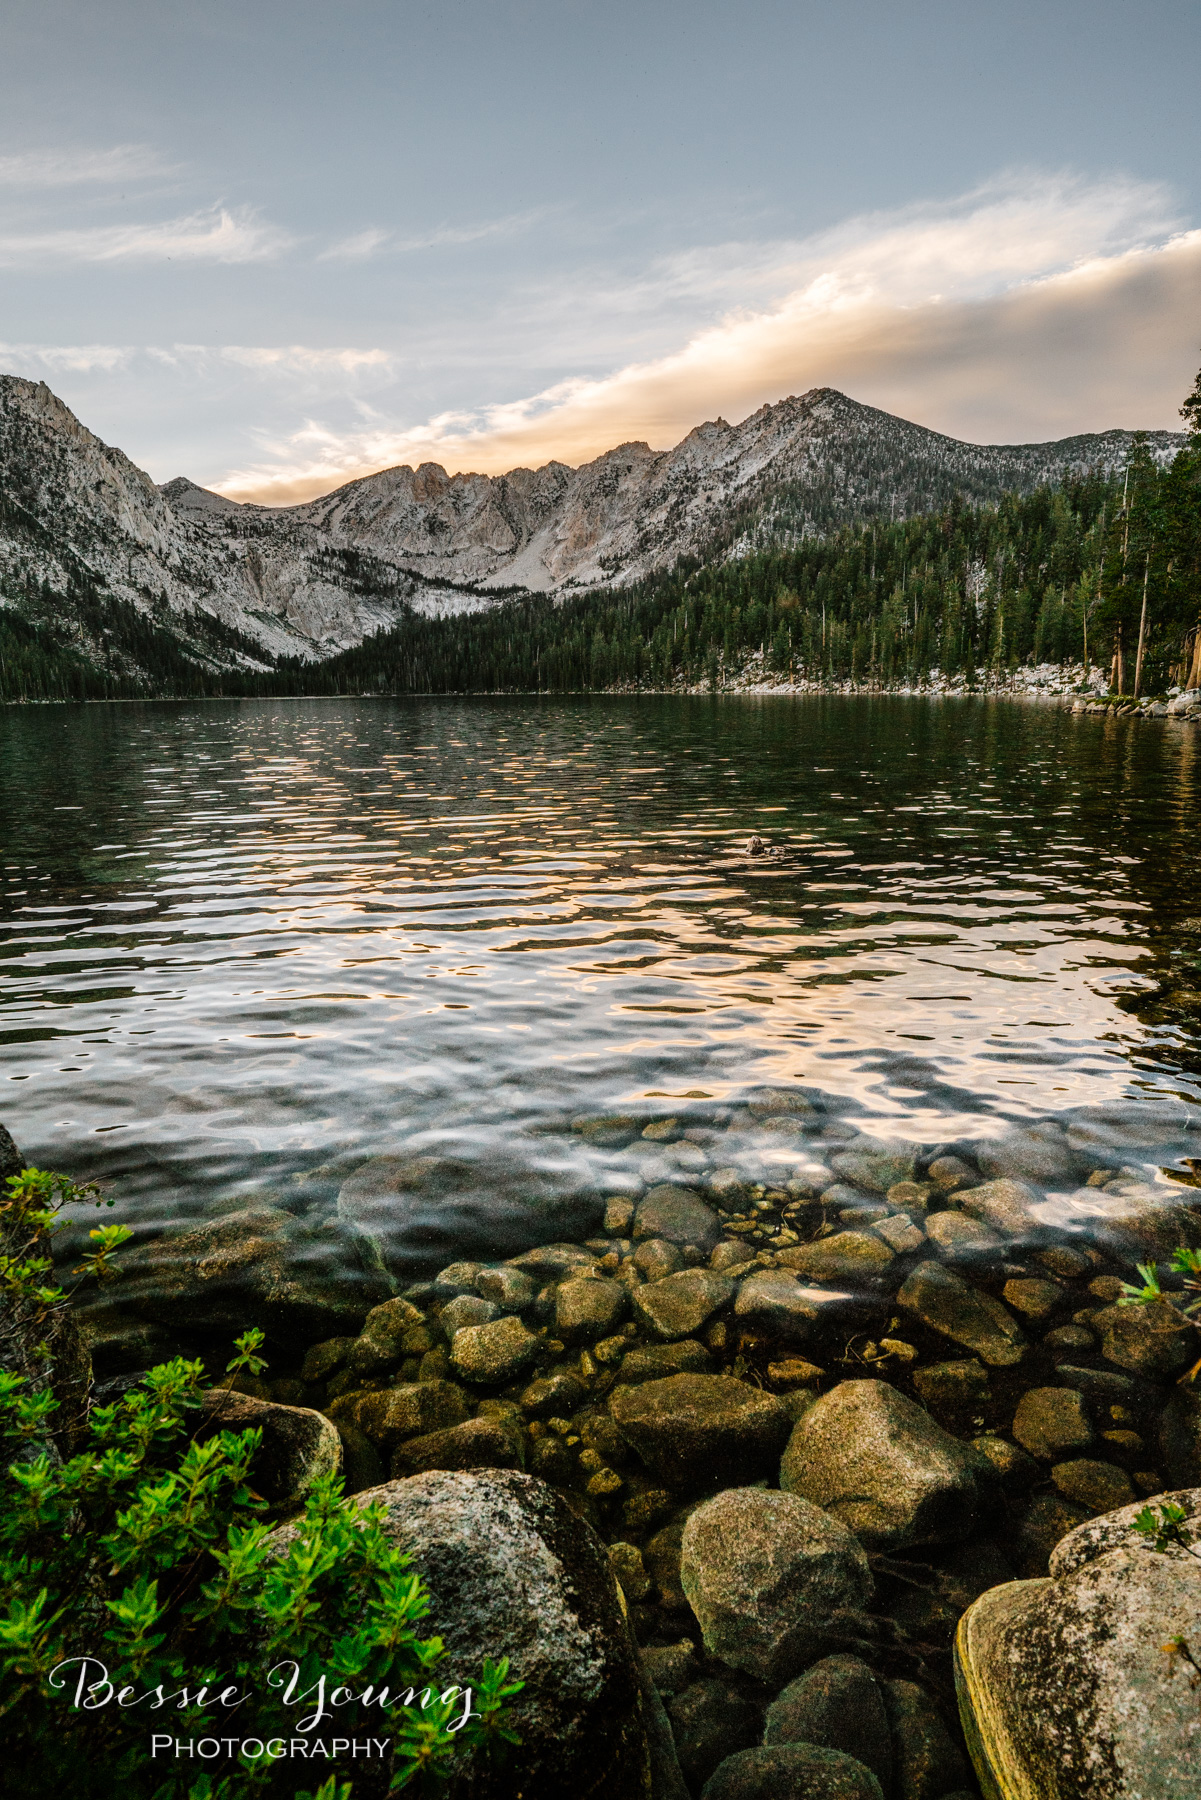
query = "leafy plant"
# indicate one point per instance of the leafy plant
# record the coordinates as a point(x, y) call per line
point(139, 1582)
point(1188, 1262)
point(1163, 1527)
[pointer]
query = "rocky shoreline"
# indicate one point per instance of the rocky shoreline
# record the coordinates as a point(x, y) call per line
point(1070, 684)
point(812, 1421)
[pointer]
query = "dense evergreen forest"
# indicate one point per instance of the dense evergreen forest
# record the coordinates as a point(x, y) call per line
point(1104, 571)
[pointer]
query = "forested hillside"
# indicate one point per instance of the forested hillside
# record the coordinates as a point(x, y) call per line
point(1100, 568)
point(1055, 576)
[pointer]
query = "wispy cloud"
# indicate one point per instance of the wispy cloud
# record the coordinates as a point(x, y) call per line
point(1028, 308)
point(283, 360)
point(357, 248)
point(214, 234)
point(78, 167)
point(61, 359)
point(375, 239)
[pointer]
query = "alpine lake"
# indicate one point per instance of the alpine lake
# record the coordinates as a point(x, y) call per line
point(495, 1008)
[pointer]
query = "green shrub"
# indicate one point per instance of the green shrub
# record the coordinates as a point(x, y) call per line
point(141, 1548)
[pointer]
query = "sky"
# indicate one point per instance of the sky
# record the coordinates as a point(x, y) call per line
point(276, 246)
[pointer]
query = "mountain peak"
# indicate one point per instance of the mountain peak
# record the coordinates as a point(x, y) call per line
point(185, 495)
point(308, 579)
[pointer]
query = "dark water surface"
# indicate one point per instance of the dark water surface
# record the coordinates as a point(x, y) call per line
point(246, 946)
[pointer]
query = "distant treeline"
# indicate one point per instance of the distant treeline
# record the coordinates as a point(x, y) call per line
point(1055, 576)
point(1100, 569)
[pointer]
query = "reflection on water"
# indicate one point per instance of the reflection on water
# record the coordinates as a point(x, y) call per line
point(246, 946)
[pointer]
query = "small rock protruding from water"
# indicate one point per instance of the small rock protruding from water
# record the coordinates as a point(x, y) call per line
point(513, 1572)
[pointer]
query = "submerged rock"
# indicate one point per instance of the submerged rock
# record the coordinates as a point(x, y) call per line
point(874, 1164)
point(946, 1303)
point(792, 1772)
point(475, 1444)
point(845, 1256)
point(418, 1211)
point(1071, 1686)
point(928, 1763)
point(1040, 1153)
point(554, 1262)
point(1153, 1339)
point(588, 1309)
point(1180, 1437)
point(491, 1355)
point(1118, 1126)
point(698, 1428)
point(957, 1236)
point(254, 1267)
point(654, 1362)
point(950, 1173)
point(119, 1342)
point(409, 1410)
point(1007, 1207)
point(1097, 1486)
point(775, 1302)
point(656, 1258)
point(1013, 1468)
point(464, 1311)
point(1034, 1297)
point(680, 1304)
point(677, 1214)
point(708, 1721)
point(1049, 1421)
point(1136, 1218)
point(554, 1394)
point(1049, 1519)
point(510, 1289)
point(838, 1704)
point(773, 1581)
point(953, 1386)
point(877, 1461)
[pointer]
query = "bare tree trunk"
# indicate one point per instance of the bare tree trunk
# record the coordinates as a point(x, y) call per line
point(1121, 662)
point(1142, 630)
point(1194, 679)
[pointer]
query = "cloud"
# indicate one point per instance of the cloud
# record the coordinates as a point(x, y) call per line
point(367, 243)
point(284, 361)
point(60, 359)
point(357, 248)
point(214, 234)
point(1028, 309)
point(71, 168)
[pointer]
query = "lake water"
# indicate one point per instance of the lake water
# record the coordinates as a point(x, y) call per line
point(246, 946)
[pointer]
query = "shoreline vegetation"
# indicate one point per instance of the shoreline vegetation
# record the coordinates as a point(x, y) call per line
point(1093, 582)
